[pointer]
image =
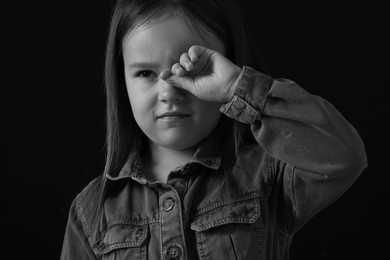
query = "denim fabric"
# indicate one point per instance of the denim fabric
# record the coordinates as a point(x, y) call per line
point(307, 156)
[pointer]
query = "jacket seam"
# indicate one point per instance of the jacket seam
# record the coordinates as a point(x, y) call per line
point(283, 231)
point(261, 235)
point(238, 89)
point(295, 202)
point(271, 170)
point(222, 203)
point(93, 242)
point(129, 222)
point(272, 175)
point(86, 229)
point(86, 245)
point(200, 243)
point(251, 102)
point(264, 101)
point(228, 220)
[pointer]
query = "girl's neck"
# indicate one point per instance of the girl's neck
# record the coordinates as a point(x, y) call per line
point(159, 161)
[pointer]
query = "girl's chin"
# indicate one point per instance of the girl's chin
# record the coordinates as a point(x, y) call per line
point(178, 144)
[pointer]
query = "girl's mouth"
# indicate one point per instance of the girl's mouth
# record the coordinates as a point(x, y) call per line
point(172, 116)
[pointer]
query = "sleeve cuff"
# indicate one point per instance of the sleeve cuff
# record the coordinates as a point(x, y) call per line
point(248, 101)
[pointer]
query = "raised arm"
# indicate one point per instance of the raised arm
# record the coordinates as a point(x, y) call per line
point(317, 153)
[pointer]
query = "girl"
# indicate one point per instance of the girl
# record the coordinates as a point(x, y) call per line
point(183, 180)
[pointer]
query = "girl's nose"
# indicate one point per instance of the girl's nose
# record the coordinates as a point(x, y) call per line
point(170, 94)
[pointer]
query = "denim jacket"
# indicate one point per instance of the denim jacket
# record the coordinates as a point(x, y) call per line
point(307, 156)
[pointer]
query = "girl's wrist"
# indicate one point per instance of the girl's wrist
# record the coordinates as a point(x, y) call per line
point(233, 83)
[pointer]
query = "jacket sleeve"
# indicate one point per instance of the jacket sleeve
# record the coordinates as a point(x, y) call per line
point(75, 245)
point(317, 154)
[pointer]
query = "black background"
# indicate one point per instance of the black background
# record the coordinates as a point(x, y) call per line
point(53, 114)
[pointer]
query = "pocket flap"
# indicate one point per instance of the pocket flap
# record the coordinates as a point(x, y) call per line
point(123, 236)
point(245, 212)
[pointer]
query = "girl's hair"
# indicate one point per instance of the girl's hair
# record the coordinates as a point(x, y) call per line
point(219, 17)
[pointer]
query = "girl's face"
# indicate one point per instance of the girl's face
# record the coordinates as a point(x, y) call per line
point(170, 117)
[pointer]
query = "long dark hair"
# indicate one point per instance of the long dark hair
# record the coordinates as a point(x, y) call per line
point(220, 17)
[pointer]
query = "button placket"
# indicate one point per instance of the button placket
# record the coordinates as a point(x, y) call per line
point(172, 232)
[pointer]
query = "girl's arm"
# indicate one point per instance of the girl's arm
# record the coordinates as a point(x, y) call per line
point(317, 153)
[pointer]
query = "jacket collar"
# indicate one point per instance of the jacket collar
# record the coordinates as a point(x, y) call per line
point(207, 154)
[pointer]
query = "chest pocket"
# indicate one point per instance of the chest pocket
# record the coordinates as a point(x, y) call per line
point(123, 241)
point(230, 231)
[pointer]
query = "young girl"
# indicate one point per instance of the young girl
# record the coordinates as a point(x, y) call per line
point(183, 180)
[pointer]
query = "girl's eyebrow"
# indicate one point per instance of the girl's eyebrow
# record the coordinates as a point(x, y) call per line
point(143, 65)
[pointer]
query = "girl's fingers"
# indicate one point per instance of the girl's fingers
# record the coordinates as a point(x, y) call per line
point(194, 52)
point(178, 70)
point(185, 61)
point(164, 74)
point(180, 82)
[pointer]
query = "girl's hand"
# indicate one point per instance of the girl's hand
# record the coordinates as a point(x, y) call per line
point(206, 74)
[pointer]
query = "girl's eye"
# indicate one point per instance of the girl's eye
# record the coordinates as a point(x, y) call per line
point(146, 74)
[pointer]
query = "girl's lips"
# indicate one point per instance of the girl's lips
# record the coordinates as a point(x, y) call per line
point(172, 114)
point(173, 118)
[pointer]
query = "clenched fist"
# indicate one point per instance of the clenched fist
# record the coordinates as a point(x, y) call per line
point(206, 74)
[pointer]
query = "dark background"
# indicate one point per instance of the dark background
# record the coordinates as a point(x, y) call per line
point(54, 129)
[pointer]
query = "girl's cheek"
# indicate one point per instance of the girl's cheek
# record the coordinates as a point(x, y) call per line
point(145, 92)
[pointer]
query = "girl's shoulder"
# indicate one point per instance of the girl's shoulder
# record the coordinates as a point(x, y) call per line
point(91, 193)
point(85, 210)
point(88, 202)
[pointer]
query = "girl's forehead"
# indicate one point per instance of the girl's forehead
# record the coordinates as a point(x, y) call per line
point(170, 29)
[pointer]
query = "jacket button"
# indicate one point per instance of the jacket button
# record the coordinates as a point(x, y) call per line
point(169, 203)
point(173, 253)
point(139, 233)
